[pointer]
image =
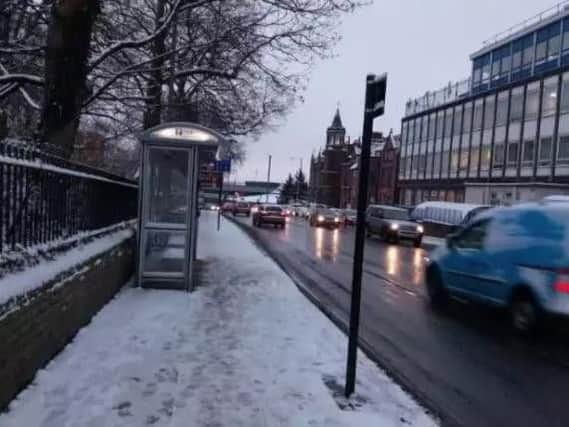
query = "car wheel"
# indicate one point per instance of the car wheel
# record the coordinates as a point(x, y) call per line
point(525, 314)
point(438, 295)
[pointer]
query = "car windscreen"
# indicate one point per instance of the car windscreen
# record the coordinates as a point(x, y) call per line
point(273, 209)
point(396, 214)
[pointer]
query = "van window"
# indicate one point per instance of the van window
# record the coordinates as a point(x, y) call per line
point(473, 237)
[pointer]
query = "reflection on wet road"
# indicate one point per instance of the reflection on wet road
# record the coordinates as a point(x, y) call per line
point(464, 363)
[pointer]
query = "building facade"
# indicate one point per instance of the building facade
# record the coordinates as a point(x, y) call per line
point(326, 167)
point(382, 173)
point(503, 134)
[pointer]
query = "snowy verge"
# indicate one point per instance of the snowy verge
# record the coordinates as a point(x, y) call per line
point(20, 283)
point(245, 349)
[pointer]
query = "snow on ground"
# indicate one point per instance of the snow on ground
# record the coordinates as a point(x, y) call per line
point(21, 282)
point(245, 349)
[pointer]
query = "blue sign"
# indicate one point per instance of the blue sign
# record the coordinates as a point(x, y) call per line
point(223, 165)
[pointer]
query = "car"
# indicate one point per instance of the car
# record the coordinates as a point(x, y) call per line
point(227, 207)
point(340, 214)
point(393, 224)
point(242, 208)
point(212, 207)
point(515, 258)
point(269, 214)
point(325, 218)
point(351, 216)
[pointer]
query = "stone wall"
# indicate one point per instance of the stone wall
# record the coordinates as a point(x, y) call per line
point(40, 327)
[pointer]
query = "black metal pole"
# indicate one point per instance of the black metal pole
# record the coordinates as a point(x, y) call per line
point(219, 203)
point(360, 240)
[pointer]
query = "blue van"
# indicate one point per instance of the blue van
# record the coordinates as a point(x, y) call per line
point(516, 258)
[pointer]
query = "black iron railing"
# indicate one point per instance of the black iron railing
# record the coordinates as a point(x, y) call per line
point(45, 199)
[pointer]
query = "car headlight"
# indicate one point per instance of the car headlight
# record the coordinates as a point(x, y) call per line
point(320, 218)
point(394, 226)
point(420, 229)
point(336, 219)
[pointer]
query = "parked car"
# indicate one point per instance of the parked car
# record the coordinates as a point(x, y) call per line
point(325, 218)
point(351, 216)
point(393, 224)
point(242, 208)
point(516, 258)
point(212, 207)
point(269, 214)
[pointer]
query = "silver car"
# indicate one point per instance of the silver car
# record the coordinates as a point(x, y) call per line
point(393, 224)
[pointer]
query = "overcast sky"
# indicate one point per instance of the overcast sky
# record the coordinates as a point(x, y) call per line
point(421, 44)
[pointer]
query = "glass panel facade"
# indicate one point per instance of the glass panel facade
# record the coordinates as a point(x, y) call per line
point(485, 153)
point(168, 171)
point(517, 104)
point(528, 149)
point(474, 154)
point(532, 100)
point(477, 120)
point(546, 141)
point(548, 46)
point(499, 145)
point(489, 110)
point(522, 57)
point(502, 108)
point(549, 99)
point(513, 144)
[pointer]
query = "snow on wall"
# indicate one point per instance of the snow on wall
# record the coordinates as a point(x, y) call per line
point(20, 283)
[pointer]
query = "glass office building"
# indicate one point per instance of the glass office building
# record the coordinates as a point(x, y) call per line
point(503, 134)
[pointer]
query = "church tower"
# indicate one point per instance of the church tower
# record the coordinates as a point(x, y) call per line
point(336, 133)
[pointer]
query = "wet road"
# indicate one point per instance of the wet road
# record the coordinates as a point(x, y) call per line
point(464, 364)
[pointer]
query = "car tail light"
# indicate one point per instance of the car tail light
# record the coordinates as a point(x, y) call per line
point(562, 282)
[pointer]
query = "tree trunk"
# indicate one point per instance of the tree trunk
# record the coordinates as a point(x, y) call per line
point(68, 44)
point(153, 110)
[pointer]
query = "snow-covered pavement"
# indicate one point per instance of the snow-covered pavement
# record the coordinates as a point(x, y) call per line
point(245, 349)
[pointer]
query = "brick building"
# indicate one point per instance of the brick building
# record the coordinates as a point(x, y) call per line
point(383, 172)
point(326, 167)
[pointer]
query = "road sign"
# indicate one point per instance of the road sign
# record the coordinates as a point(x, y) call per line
point(223, 165)
point(374, 107)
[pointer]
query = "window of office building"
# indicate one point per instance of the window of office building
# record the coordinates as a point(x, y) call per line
point(499, 146)
point(501, 64)
point(522, 57)
point(532, 100)
point(448, 121)
point(548, 45)
point(444, 163)
point(457, 127)
point(475, 153)
point(437, 163)
point(513, 145)
point(502, 108)
point(564, 102)
point(440, 124)
point(425, 130)
point(517, 104)
point(417, 130)
point(467, 118)
point(563, 149)
point(489, 110)
point(528, 145)
point(477, 120)
point(546, 141)
point(485, 152)
point(481, 70)
point(549, 100)
point(565, 43)
point(563, 133)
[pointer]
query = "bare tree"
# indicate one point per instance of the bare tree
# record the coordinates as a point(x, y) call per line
point(235, 65)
